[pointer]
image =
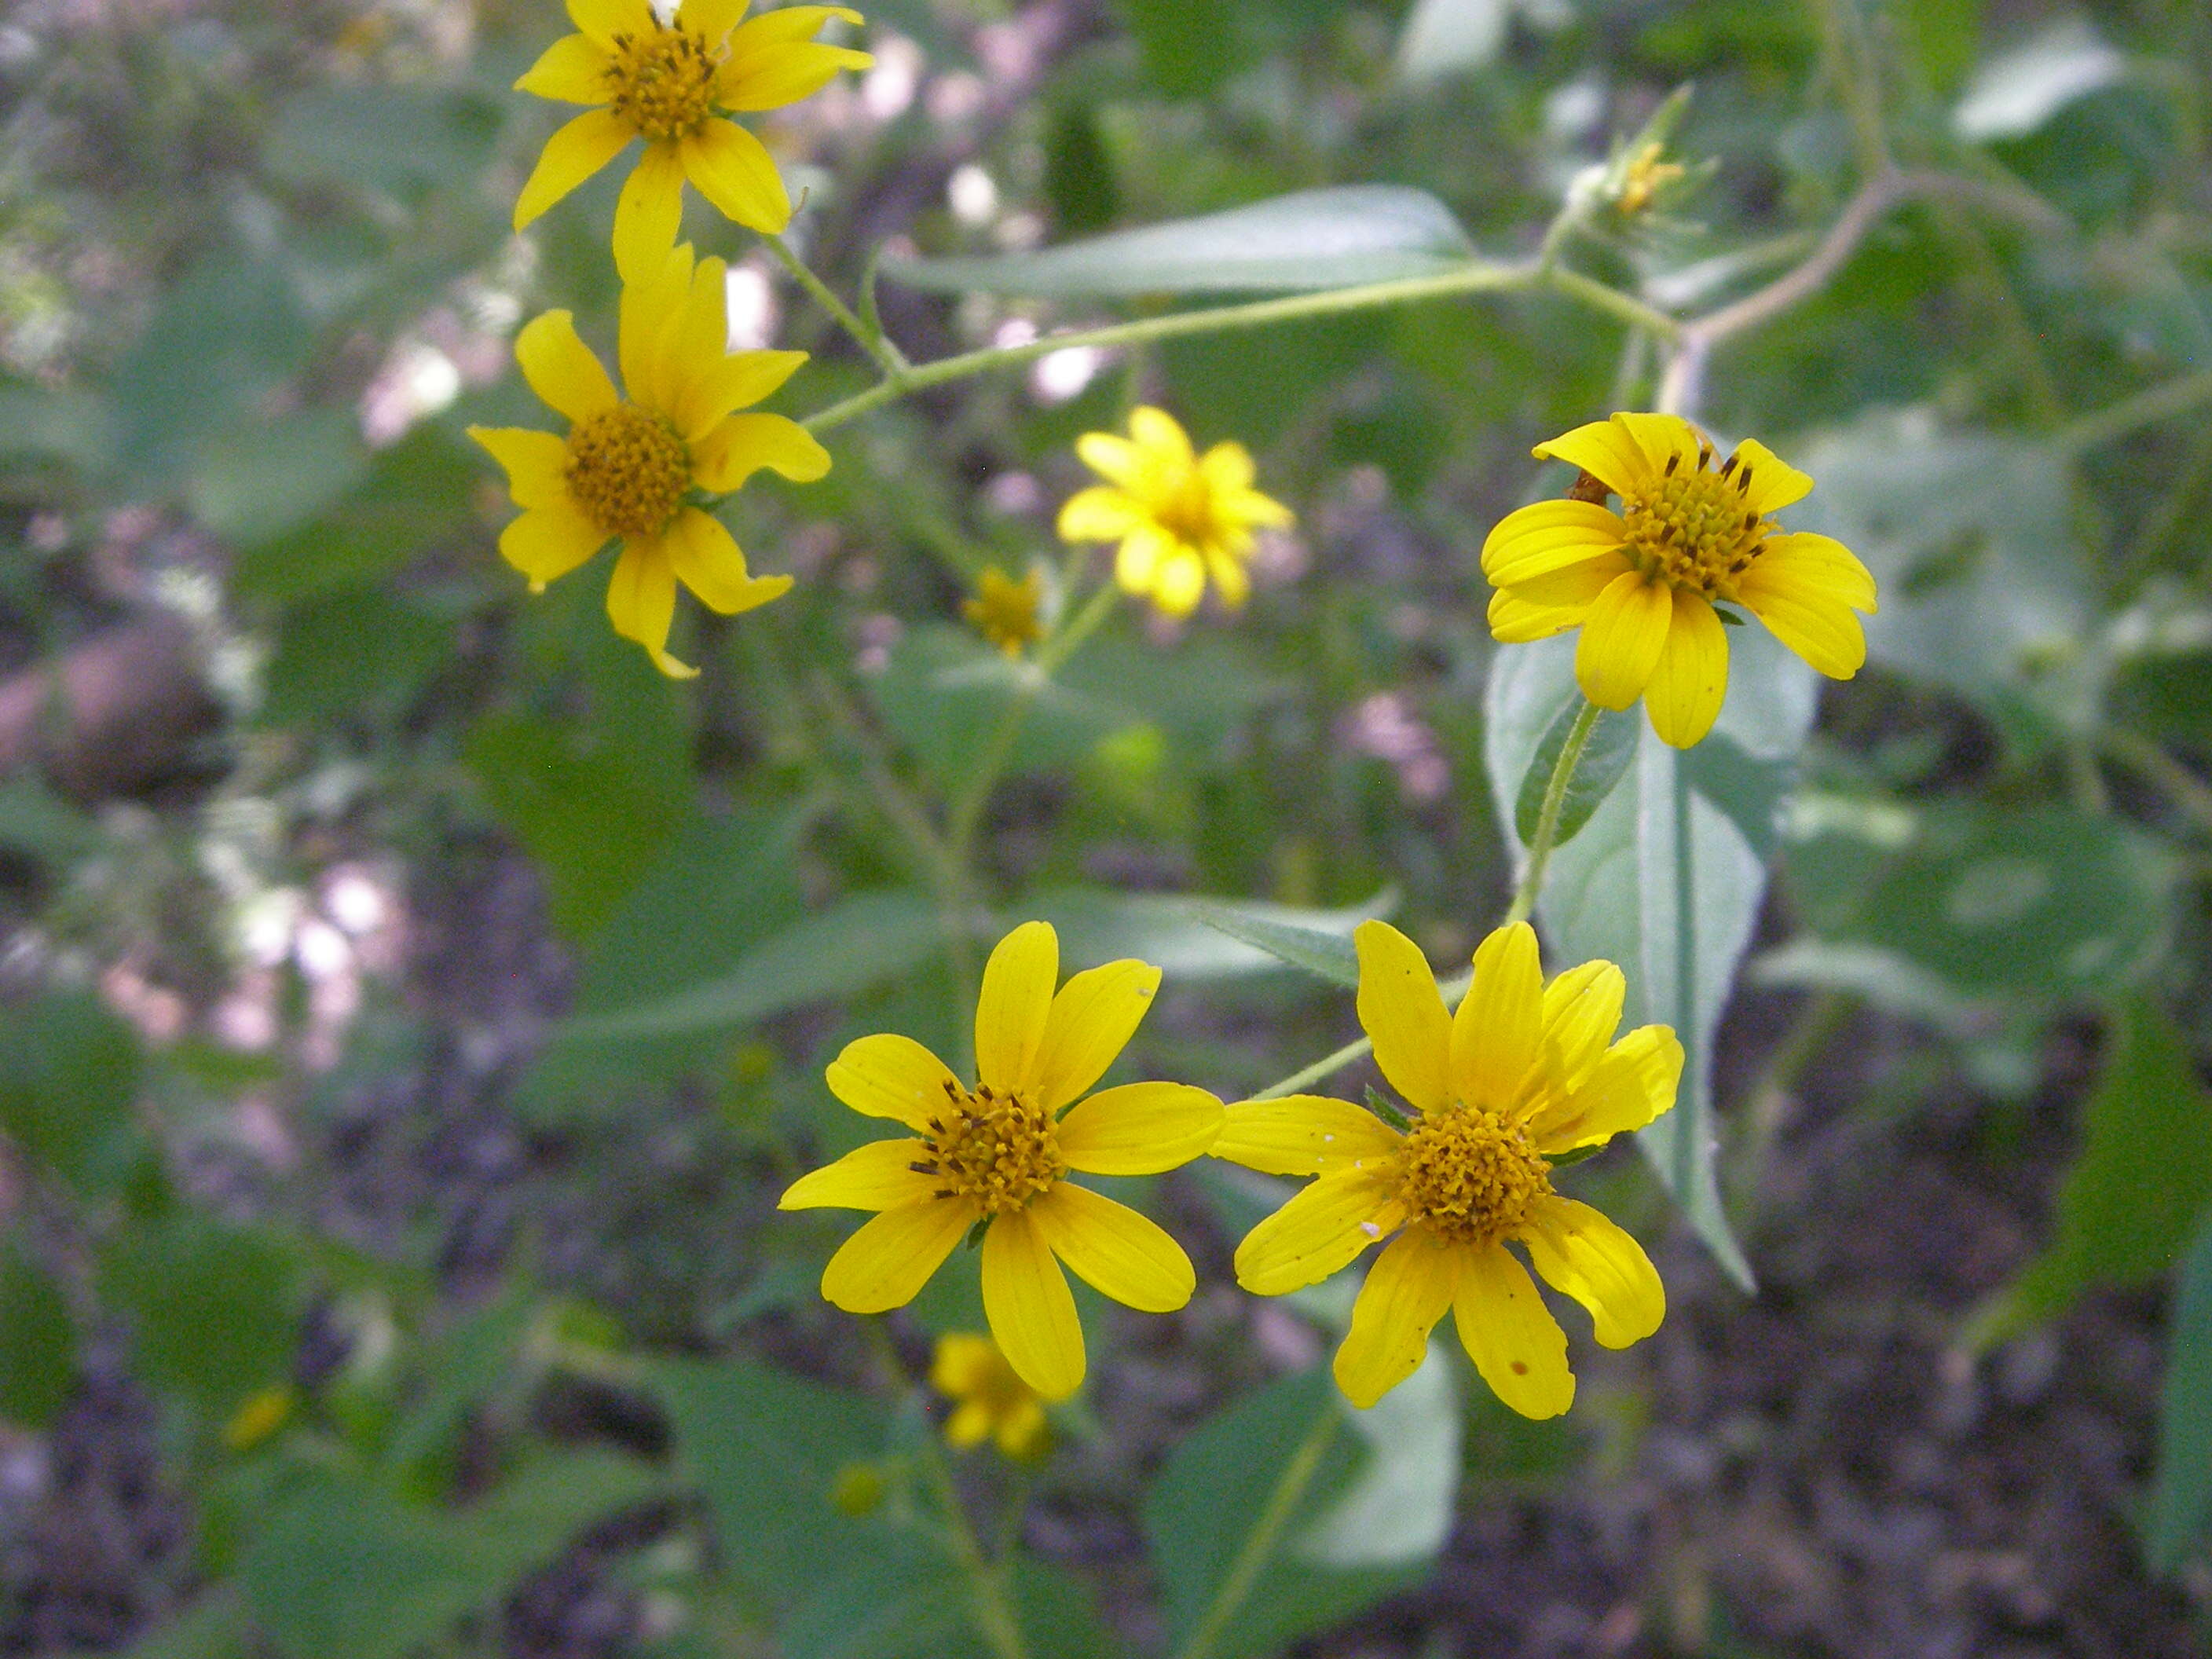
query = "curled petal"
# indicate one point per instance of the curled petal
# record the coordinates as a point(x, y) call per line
point(1407, 1290)
point(1402, 1009)
point(1032, 1313)
point(1821, 629)
point(1514, 621)
point(1511, 1334)
point(1809, 566)
point(1581, 1011)
point(535, 463)
point(708, 560)
point(743, 444)
point(546, 543)
point(1114, 1250)
point(1140, 1128)
point(879, 1175)
point(734, 382)
point(1303, 1135)
point(1664, 437)
point(642, 602)
point(1633, 1082)
point(1774, 483)
point(1581, 1252)
point(885, 1264)
point(1606, 450)
point(895, 1077)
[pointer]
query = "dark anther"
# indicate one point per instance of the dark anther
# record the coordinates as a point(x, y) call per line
point(1673, 461)
point(1586, 487)
point(1751, 521)
point(1743, 484)
point(922, 1167)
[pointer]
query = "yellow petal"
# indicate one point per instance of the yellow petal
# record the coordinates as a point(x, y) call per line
point(547, 543)
point(787, 23)
point(1511, 1334)
point(1228, 577)
point(1535, 541)
point(1819, 629)
point(895, 1077)
point(1495, 1034)
point(734, 382)
point(1407, 1291)
point(1581, 1011)
point(879, 1175)
point(1023, 1428)
point(1323, 1228)
point(1664, 437)
point(1180, 582)
point(1100, 514)
point(574, 69)
point(743, 444)
point(1112, 458)
point(1575, 586)
point(885, 1264)
point(1402, 1009)
point(1159, 436)
point(1774, 483)
point(1228, 468)
point(572, 155)
point(561, 368)
point(1684, 692)
point(1014, 1006)
point(603, 20)
point(733, 169)
point(1093, 1017)
point(1633, 1083)
point(707, 561)
point(535, 463)
point(1622, 638)
point(642, 602)
point(1799, 561)
point(1582, 1252)
point(653, 305)
point(770, 78)
point(1137, 562)
point(970, 1426)
point(697, 334)
point(1140, 1128)
point(1604, 449)
point(649, 214)
point(1114, 1250)
point(1515, 621)
point(1032, 1313)
point(713, 19)
point(1303, 1135)
point(962, 1363)
point(1250, 506)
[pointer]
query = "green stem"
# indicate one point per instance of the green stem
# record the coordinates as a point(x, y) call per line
point(996, 1616)
point(1858, 89)
point(1078, 627)
point(1259, 1544)
point(887, 357)
point(2161, 403)
point(2189, 794)
point(1314, 1073)
point(1548, 816)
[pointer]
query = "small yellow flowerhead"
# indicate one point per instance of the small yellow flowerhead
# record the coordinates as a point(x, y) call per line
point(664, 83)
point(1646, 178)
point(261, 1416)
point(1180, 517)
point(1001, 1153)
point(990, 1401)
point(1641, 582)
point(1524, 1072)
point(629, 462)
point(1006, 611)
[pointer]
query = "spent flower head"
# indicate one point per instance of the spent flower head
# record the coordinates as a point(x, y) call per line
point(1001, 1155)
point(1641, 581)
point(1522, 1074)
point(1007, 612)
point(990, 1401)
point(632, 459)
point(667, 83)
point(1182, 519)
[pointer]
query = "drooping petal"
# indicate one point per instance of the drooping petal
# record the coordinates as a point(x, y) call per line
point(1140, 1128)
point(885, 1264)
point(546, 543)
point(1113, 458)
point(1114, 1250)
point(1031, 1311)
point(1664, 437)
point(1014, 1006)
point(642, 602)
point(573, 70)
point(647, 215)
point(1100, 514)
point(1633, 1083)
point(1535, 540)
point(1511, 1334)
point(572, 155)
point(1821, 629)
point(1800, 562)
point(1093, 1017)
point(732, 382)
point(879, 1175)
point(1180, 582)
point(561, 369)
point(1622, 638)
point(1407, 1290)
point(1604, 449)
point(1774, 483)
point(743, 444)
point(1685, 690)
point(1303, 1135)
point(1495, 1034)
point(707, 560)
point(1402, 1009)
point(895, 1077)
point(770, 78)
point(1322, 1229)
point(603, 20)
point(1582, 1252)
point(733, 170)
point(535, 462)
point(1581, 1011)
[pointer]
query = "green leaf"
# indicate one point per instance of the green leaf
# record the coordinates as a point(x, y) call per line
point(213, 1627)
point(2138, 1188)
point(416, 491)
point(1078, 173)
point(1451, 36)
point(2181, 1485)
point(68, 1080)
point(1188, 50)
point(251, 482)
point(1325, 952)
point(38, 1340)
point(355, 653)
point(2018, 90)
point(1667, 878)
point(1604, 761)
point(1229, 1515)
point(1193, 938)
point(1397, 1508)
point(215, 1309)
point(402, 139)
point(1312, 239)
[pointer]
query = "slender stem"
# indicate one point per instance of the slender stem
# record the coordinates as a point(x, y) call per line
point(2160, 402)
point(1259, 1544)
point(995, 1614)
point(1314, 1073)
point(966, 816)
point(2188, 793)
point(1861, 91)
point(1548, 816)
point(887, 357)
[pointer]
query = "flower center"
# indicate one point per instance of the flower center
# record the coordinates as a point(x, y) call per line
point(1184, 508)
point(1000, 1151)
point(1693, 529)
point(1469, 1172)
point(661, 85)
point(627, 470)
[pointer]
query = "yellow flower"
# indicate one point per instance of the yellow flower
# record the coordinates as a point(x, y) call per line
point(628, 465)
point(1641, 583)
point(261, 1416)
point(1645, 178)
point(990, 1401)
point(663, 82)
point(1000, 1154)
point(1005, 611)
point(1179, 516)
point(1522, 1074)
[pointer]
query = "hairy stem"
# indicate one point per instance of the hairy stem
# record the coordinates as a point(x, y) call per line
point(873, 341)
point(1548, 816)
